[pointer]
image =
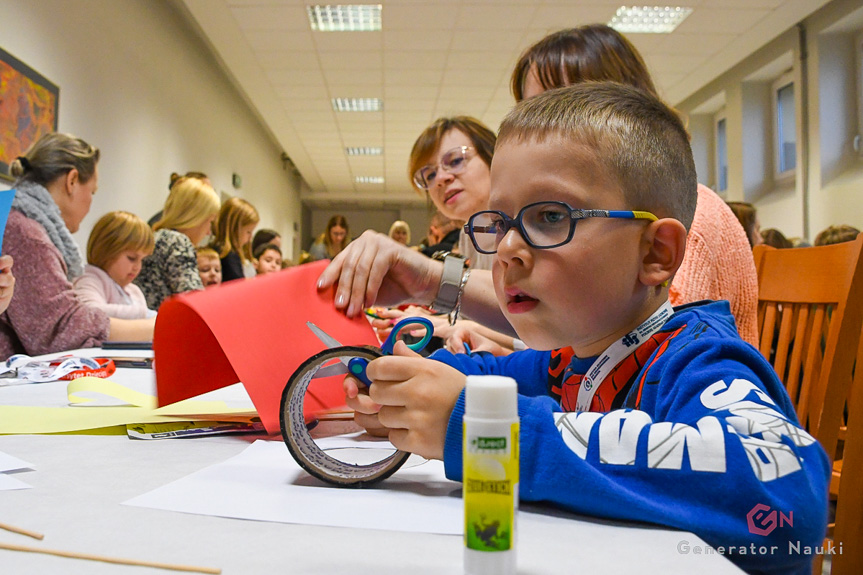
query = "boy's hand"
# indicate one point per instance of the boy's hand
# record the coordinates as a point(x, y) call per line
point(411, 397)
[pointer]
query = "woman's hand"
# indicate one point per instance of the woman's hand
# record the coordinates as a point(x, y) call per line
point(375, 269)
point(467, 333)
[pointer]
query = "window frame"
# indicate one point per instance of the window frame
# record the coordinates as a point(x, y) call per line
point(720, 117)
point(781, 82)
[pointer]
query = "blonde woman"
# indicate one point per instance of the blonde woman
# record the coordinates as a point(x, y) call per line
point(172, 268)
point(234, 226)
point(331, 243)
point(400, 231)
point(117, 246)
point(55, 182)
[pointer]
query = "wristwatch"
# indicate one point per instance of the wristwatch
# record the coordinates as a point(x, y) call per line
point(450, 281)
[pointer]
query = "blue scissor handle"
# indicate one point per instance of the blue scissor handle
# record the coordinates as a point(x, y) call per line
point(357, 365)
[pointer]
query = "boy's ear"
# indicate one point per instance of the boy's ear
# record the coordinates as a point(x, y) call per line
point(664, 243)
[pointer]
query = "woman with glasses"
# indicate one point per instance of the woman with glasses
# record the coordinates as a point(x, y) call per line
point(451, 161)
point(588, 53)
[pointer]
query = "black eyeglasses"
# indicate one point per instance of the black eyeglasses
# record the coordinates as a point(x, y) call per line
point(453, 162)
point(543, 225)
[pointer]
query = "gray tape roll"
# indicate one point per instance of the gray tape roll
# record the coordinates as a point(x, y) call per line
point(302, 446)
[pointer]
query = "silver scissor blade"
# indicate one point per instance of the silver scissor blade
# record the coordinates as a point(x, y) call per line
point(331, 370)
point(326, 339)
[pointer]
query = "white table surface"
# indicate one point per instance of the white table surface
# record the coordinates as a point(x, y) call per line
point(79, 483)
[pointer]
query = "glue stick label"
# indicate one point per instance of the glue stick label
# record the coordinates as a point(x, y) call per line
point(490, 488)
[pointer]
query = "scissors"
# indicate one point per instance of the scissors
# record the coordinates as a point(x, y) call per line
point(356, 366)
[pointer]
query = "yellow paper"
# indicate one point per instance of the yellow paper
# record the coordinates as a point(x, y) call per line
point(140, 408)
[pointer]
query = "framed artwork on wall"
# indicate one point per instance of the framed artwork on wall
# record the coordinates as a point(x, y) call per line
point(28, 108)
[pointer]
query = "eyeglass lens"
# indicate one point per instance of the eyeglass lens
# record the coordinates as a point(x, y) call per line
point(544, 225)
point(453, 162)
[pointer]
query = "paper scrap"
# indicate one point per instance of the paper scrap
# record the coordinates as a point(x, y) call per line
point(12, 463)
point(9, 483)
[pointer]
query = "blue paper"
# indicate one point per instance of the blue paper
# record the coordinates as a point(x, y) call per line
point(6, 197)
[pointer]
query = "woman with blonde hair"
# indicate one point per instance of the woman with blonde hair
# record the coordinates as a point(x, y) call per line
point(118, 244)
point(400, 231)
point(233, 230)
point(55, 182)
point(331, 243)
point(172, 268)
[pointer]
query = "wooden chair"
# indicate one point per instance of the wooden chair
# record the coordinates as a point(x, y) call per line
point(848, 527)
point(810, 311)
point(810, 317)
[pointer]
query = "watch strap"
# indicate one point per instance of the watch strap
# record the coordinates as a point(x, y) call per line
point(450, 284)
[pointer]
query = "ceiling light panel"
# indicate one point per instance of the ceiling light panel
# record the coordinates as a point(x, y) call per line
point(357, 104)
point(345, 17)
point(364, 151)
point(369, 179)
point(649, 19)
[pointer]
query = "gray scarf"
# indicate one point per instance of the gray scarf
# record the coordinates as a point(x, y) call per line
point(35, 202)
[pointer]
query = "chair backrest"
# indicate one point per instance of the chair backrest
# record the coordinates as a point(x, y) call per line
point(848, 527)
point(810, 309)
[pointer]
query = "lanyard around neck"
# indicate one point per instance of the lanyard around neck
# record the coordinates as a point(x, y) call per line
point(616, 352)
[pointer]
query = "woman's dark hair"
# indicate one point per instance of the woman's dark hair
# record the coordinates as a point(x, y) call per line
point(774, 238)
point(594, 52)
point(175, 176)
point(264, 236)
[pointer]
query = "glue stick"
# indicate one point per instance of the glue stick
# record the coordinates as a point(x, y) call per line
point(490, 487)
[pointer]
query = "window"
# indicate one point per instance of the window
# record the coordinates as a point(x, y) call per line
point(785, 126)
point(721, 152)
point(858, 139)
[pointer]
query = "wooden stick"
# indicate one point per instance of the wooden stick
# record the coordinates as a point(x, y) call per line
point(14, 529)
point(102, 558)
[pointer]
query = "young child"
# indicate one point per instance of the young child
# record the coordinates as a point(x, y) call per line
point(118, 244)
point(209, 267)
point(234, 226)
point(663, 416)
point(268, 259)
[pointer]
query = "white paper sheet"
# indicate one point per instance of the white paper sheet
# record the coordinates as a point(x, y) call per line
point(264, 483)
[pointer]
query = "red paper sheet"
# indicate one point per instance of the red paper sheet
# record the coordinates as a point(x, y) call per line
point(252, 331)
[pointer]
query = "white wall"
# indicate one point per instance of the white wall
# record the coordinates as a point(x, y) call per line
point(833, 172)
point(136, 81)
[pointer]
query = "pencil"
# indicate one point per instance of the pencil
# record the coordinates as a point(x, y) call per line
point(117, 560)
point(14, 529)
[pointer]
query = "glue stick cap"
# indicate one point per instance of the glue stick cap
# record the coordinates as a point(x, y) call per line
point(491, 397)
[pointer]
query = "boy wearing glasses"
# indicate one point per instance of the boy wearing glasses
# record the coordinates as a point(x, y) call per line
point(637, 412)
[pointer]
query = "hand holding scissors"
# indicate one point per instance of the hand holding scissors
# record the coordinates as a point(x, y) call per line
point(356, 366)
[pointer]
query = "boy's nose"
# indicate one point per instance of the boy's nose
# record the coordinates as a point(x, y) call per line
point(512, 245)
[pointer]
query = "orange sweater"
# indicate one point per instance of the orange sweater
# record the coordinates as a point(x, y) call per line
point(718, 264)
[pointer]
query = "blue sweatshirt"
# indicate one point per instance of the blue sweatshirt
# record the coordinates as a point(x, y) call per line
point(694, 431)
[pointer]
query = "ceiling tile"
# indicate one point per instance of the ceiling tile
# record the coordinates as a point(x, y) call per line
point(277, 40)
point(271, 17)
point(502, 17)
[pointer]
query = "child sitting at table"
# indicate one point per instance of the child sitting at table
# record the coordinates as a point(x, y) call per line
point(118, 244)
point(657, 414)
point(209, 267)
point(268, 259)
